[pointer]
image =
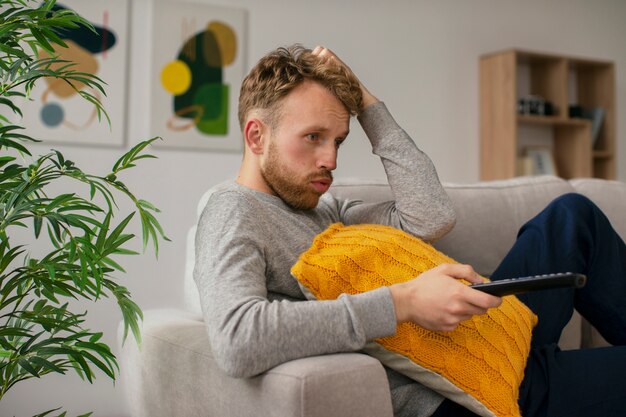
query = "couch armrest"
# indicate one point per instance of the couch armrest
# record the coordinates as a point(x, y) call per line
point(174, 374)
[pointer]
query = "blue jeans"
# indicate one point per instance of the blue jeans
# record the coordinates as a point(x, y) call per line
point(570, 235)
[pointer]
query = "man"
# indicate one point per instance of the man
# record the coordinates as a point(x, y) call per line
point(294, 111)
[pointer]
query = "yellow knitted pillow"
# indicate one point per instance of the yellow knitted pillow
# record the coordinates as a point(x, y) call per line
point(479, 365)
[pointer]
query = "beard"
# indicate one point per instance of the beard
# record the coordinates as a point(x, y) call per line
point(294, 190)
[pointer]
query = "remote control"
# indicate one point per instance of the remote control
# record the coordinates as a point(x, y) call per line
point(538, 282)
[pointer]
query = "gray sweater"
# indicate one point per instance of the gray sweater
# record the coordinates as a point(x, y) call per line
point(247, 242)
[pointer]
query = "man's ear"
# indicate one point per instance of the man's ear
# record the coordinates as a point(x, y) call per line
point(255, 132)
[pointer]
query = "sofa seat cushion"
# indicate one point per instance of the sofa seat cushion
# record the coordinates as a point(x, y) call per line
point(479, 365)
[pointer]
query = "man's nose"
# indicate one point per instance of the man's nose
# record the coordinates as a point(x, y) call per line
point(327, 156)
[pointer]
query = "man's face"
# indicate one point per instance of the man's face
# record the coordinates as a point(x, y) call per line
point(302, 150)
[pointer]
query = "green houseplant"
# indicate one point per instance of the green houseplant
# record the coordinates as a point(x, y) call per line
point(84, 232)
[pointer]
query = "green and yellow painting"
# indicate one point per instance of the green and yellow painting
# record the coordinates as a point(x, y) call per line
point(194, 78)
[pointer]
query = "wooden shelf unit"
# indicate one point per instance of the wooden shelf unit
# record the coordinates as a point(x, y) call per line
point(562, 81)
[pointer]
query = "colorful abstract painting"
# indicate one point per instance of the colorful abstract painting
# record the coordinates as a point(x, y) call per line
point(197, 67)
point(56, 112)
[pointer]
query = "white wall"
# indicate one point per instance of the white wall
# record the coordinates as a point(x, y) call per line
point(419, 56)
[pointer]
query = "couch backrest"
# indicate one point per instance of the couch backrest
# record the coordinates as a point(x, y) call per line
point(610, 196)
point(191, 297)
point(489, 214)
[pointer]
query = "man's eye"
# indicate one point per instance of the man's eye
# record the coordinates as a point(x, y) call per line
point(312, 136)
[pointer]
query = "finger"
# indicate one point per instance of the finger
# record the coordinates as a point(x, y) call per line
point(447, 328)
point(468, 317)
point(483, 300)
point(317, 50)
point(322, 52)
point(466, 307)
point(329, 56)
point(474, 310)
point(462, 271)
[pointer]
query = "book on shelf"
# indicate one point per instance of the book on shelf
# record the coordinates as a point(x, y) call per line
point(596, 115)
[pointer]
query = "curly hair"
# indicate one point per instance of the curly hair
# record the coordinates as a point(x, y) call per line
point(282, 70)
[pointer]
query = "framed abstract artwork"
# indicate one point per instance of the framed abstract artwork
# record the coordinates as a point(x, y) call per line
point(56, 112)
point(197, 67)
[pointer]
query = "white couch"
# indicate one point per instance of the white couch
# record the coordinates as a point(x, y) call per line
point(174, 373)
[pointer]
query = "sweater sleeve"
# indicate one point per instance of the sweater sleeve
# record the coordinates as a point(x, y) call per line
point(420, 206)
point(252, 330)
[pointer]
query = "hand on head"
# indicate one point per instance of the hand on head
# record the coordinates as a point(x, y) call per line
point(436, 300)
point(329, 56)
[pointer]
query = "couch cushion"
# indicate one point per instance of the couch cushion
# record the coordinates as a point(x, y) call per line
point(610, 196)
point(490, 213)
point(479, 365)
point(190, 290)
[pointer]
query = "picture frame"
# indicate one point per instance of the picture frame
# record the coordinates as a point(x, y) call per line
point(57, 113)
point(540, 161)
point(196, 71)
